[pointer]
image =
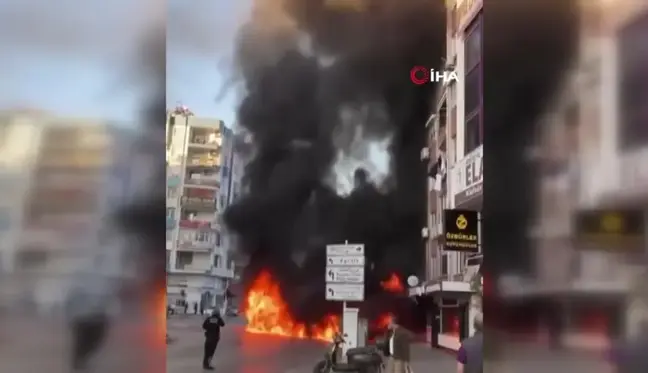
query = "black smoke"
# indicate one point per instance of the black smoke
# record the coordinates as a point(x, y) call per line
point(292, 109)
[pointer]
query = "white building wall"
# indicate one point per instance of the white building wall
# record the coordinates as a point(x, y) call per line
point(209, 269)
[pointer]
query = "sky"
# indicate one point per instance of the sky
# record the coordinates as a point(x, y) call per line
point(78, 58)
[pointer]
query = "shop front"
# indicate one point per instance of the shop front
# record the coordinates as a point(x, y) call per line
point(450, 301)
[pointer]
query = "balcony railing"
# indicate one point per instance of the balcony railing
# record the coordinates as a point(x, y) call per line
point(194, 245)
point(208, 141)
point(204, 162)
point(222, 272)
point(199, 204)
point(195, 224)
point(203, 181)
point(190, 268)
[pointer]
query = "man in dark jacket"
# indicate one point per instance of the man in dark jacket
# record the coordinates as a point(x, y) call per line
point(470, 354)
point(398, 343)
point(211, 326)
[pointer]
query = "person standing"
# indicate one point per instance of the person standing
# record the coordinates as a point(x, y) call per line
point(470, 354)
point(398, 346)
point(195, 307)
point(211, 326)
point(87, 308)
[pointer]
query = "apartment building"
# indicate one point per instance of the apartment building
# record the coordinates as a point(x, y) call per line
point(68, 180)
point(593, 142)
point(199, 157)
point(454, 153)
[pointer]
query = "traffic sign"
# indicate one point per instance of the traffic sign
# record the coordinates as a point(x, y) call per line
point(348, 275)
point(345, 292)
point(345, 261)
point(345, 250)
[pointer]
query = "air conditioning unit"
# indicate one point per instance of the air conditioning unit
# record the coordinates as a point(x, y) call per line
point(425, 232)
point(425, 153)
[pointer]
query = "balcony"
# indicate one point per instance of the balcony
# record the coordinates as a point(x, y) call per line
point(199, 204)
point(195, 246)
point(209, 162)
point(196, 224)
point(205, 138)
point(191, 269)
point(222, 272)
point(201, 180)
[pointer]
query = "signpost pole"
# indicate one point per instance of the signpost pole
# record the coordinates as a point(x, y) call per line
point(345, 265)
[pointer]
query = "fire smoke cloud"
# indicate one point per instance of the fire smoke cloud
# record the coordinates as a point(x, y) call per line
point(317, 74)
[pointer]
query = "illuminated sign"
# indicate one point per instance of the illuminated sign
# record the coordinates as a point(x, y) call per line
point(610, 230)
point(461, 230)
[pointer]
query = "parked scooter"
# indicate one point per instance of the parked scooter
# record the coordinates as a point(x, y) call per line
point(359, 360)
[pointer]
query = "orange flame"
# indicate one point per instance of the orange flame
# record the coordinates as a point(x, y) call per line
point(267, 313)
point(383, 321)
point(393, 284)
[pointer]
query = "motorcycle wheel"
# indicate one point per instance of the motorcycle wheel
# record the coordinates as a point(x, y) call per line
point(320, 367)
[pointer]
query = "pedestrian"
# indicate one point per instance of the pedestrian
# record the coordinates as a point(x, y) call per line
point(89, 321)
point(195, 308)
point(470, 354)
point(211, 326)
point(628, 355)
point(186, 307)
point(398, 343)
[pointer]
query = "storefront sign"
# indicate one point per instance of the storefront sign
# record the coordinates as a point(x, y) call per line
point(610, 230)
point(468, 177)
point(461, 230)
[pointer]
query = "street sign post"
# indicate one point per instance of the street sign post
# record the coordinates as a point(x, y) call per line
point(345, 272)
point(345, 282)
point(348, 275)
point(344, 261)
point(345, 292)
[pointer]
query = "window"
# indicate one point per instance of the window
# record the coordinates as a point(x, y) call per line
point(472, 135)
point(473, 87)
point(444, 265)
point(473, 92)
point(217, 238)
point(172, 192)
point(217, 261)
point(170, 212)
point(206, 237)
point(473, 44)
point(633, 112)
point(183, 259)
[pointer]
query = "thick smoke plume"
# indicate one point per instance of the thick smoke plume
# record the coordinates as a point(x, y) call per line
point(316, 74)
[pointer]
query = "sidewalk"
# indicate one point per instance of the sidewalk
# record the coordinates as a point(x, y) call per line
point(428, 359)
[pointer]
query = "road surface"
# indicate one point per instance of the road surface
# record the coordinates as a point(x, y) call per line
point(29, 345)
point(240, 352)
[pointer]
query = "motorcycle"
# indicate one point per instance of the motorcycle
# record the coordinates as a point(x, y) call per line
point(359, 360)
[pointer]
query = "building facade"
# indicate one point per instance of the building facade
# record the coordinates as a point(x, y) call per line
point(199, 156)
point(593, 141)
point(70, 174)
point(454, 154)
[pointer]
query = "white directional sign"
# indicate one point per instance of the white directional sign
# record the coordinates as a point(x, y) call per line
point(345, 250)
point(345, 292)
point(345, 272)
point(345, 261)
point(345, 275)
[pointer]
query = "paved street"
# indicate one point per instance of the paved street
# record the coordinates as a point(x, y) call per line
point(41, 345)
point(240, 352)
